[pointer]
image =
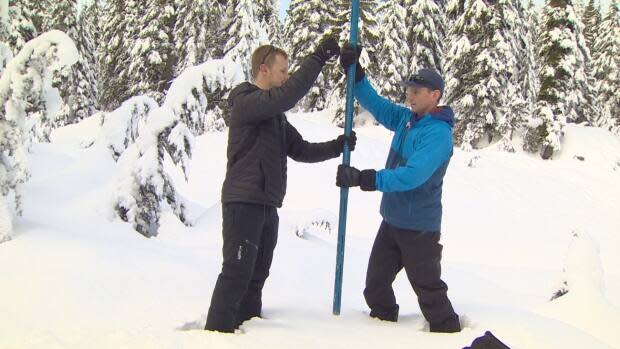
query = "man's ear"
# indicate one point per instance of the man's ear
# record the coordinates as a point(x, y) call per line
point(437, 95)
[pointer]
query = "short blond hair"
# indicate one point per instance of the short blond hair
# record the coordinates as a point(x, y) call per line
point(265, 54)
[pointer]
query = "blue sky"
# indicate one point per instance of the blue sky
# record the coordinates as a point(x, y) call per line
point(283, 6)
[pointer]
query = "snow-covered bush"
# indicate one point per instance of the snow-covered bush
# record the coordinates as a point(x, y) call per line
point(141, 135)
point(142, 182)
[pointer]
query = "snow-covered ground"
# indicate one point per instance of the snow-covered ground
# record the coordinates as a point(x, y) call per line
point(516, 230)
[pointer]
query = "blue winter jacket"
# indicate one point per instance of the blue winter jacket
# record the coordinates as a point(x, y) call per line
point(419, 155)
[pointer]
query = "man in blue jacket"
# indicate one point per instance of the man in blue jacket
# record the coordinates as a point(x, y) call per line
point(411, 205)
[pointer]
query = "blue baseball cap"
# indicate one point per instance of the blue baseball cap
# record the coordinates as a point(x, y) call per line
point(428, 78)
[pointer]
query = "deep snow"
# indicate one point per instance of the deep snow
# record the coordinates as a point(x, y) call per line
point(75, 276)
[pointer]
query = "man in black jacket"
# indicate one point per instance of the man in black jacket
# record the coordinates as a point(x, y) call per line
point(259, 141)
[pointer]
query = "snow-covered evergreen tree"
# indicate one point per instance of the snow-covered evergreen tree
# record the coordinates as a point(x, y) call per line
point(29, 103)
point(426, 35)
point(368, 37)
point(153, 57)
point(245, 33)
point(218, 13)
point(147, 140)
point(454, 9)
point(120, 30)
point(196, 31)
point(394, 51)
point(606, 63)
point(563, 79)
point(61, 15)
point(77, 85)
point(480, 65)
point(306, 24)
point(20, 28)
point(267, 15)
point(532, 35)
point(523, 80)
point(144, 182)
point(590, 21)
point(588, 110)
point(36, 11)
point(86, 72)
point(90, 21)
point(92, 16)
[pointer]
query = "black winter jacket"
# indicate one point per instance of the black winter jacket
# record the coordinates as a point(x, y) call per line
point(260, 139)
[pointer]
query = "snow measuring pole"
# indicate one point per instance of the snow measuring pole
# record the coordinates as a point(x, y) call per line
point(346, 160)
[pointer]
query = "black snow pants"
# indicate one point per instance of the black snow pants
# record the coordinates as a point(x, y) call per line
point(419, 253)
point(250, 233)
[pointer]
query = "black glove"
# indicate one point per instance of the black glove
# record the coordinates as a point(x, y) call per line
point(351, 141)
point(348, 176)
point(328, 48)
point(350, 55)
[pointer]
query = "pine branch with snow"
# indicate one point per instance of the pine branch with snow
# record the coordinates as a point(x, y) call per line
point(197, 96)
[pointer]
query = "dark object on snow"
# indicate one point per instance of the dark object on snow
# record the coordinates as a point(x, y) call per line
point(420, 254)
point(578, 157)
point(546, 152)
point(488, 341)
point(559, 293)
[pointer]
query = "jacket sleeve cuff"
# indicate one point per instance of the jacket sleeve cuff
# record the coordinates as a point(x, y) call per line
point(318, 59)
point(368, 180)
